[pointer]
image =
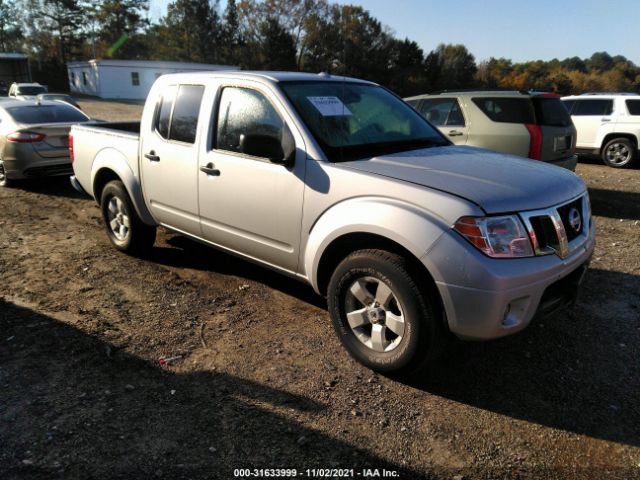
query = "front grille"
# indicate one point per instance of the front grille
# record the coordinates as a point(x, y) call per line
point(559, 230)
point(567, 214)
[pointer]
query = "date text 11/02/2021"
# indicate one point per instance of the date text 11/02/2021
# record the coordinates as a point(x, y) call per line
point(348, 473)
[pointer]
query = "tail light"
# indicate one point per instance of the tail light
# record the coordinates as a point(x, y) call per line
point(25, 137)
point(71, 147)
point(535, 144)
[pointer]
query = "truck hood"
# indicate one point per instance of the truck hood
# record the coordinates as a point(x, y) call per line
point(496, 182)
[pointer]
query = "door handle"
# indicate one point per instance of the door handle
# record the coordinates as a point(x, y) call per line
point(605, 119)
point(152, 156)
point(210, 170)
point(455, 133)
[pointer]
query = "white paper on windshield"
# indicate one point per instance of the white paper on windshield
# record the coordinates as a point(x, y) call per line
point(329, 106)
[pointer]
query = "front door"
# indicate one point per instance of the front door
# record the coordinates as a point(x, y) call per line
point(249, 204)
point(589, 116)
point(169, 163)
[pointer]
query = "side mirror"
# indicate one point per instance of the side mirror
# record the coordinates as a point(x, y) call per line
point(268, 146)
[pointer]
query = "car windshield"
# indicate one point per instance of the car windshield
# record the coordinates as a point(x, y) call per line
point(355, 120)
point(31, 90)
point(50, 96)
point(31, 114)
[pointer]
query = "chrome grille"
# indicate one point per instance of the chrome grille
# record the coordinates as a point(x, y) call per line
point(559, 230)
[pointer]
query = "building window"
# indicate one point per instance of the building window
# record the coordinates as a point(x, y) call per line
point(73, 79)
point(135, 79)
point(84, 77)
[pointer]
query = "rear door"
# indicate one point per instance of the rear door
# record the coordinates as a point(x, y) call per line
point(169, 162)
point(590, 115)
point(556, 127)
point(446, 114)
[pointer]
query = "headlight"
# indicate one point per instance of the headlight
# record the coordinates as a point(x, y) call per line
point(498, 237)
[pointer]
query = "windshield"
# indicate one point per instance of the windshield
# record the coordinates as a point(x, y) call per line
point(46, 114)
point(354, 120)
point(31, 90)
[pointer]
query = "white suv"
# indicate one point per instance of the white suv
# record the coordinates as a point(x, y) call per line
point(608, 125)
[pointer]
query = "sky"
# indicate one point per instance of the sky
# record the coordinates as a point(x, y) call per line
point(515, 29)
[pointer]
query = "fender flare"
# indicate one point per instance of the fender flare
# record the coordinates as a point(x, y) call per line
point(113, 160)
point(413, 228)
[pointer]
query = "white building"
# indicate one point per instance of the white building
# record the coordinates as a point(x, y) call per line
point(126, 79)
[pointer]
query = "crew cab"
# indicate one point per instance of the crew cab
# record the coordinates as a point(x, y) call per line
point(341, 184)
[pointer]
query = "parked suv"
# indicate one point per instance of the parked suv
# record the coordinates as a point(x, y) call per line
point(533, 125)
point(26, 91)
point(608, 125)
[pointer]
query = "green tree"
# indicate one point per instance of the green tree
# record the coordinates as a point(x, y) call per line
point(277, 47)
point(451, 67)
point(10, 28)
point(121, 23)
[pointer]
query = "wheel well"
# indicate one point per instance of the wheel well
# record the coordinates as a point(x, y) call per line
point(628, 136)
point(103, 177)
point(341, 247)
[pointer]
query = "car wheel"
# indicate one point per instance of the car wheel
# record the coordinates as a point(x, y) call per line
point(383, 315)
point(125, 229)
point(4, 181)
point(619, 153)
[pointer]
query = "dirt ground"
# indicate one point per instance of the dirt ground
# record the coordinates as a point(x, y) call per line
point(262, 381)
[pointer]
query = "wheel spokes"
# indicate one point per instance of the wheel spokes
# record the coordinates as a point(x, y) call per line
point(378, 340)
point(357, 318)
point(395, 323)
point(384, 295)
point(359, 290)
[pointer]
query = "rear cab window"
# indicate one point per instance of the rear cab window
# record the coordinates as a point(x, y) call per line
point(177, 113)
point(506, 109)
point(34, 114)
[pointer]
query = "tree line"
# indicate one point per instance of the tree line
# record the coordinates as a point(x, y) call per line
point(304, 35)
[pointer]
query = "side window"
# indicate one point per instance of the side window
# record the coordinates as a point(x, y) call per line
point(184, 121)
point(413, 103)
point(245, 111)
point(593, 107)
point(436, 110)
point(568, 104)
point(633, 106)
point(163, 112)
point(135, 79)
point(455, 119)
point(506, 109)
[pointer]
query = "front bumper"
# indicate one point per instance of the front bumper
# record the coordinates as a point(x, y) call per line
point(486, 298)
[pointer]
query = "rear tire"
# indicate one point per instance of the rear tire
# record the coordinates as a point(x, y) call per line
point(383, 315)
point(619, 153)
point(124, 228)
point(4, 181)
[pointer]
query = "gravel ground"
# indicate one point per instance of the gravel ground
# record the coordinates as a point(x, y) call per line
point(262, 380)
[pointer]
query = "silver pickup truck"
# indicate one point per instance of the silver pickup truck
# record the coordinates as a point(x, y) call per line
point(341, 184)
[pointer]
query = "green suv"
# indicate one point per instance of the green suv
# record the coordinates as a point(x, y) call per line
point(534, 125)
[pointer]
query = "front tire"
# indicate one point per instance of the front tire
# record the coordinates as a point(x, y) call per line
point(383, 316)
point(619, 153)
point(124, 228)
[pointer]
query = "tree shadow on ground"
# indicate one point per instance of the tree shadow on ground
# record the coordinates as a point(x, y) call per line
point(69, 410)
point(615, 203)
point(575, 371)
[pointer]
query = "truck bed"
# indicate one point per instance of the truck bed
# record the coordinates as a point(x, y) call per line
point(113, 143)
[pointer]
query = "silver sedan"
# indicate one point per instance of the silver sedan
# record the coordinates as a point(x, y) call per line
point(34, 139)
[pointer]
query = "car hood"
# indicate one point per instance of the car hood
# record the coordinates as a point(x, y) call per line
point(496, 182)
